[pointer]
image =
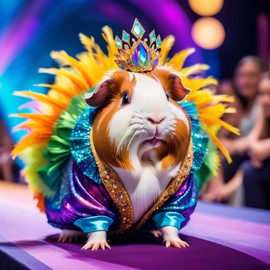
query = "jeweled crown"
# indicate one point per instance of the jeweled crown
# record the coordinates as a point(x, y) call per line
point(140, 56)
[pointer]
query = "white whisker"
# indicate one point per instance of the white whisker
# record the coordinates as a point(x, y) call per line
point(125, 136)
point(133, 136)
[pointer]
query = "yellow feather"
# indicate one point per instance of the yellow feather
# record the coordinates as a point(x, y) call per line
point(53, 103)
point(195, 69)
point(197, 83)
point(68, 73)
point(230, 110)
point(229, 127)
point(65, 60)
point(108, 36)
point(203, 97)
point(28, 141)
point(87, 42)
point(177, 61)
point(166, 46)
point(220, 145)
point(223, 98)
point(213, 112)
point(29, 125)
point(56, 88)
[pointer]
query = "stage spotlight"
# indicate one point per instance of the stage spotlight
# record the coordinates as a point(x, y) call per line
point(208, 33)
point(206, 7)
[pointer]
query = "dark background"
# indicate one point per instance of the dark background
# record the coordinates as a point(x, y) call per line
point(239, 18)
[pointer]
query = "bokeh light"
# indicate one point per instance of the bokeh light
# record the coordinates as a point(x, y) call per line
point(206, 7)
point(208, 33)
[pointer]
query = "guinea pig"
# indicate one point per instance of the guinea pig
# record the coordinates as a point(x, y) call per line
point(141, 142)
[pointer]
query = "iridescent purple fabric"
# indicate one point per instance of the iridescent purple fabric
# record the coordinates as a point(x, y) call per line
point(183, 202)
point(80, 197)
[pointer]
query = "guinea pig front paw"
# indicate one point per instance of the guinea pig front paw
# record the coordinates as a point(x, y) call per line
point(69, 236)
point(96, 240)
point(171, 238)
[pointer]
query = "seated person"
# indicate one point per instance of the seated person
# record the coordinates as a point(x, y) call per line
point(255, 173)
point(245, 90)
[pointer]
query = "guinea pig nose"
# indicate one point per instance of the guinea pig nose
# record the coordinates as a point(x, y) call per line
point(155, 121)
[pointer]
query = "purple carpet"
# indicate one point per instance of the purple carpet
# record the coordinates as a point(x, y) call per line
point(147, 252)
point(220, 238)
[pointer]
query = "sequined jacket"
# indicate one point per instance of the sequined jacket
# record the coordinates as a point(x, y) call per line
point(86, 202)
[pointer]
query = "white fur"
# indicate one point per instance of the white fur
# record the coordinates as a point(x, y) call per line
point(130, 127)
point(145, 186)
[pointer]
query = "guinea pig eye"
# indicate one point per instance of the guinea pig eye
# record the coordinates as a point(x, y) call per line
point(125, 98)
point(167, 96)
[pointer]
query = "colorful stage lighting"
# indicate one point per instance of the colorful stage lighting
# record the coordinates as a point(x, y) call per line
point(206, 7)
point(208, 33)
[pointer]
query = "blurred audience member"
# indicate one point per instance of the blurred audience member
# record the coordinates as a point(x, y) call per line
point(245, 88)
point(256, 171)
point(247, 77)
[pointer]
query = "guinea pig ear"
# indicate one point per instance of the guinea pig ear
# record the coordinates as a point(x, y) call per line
point(177, 91)
point(100, 95)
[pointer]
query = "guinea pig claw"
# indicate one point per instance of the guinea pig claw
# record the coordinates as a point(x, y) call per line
point(176, 243)
point(171, 237)
point(96, 241)
point(96, 246)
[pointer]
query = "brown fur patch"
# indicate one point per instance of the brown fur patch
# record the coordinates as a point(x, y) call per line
point(106, 149)
point(171, 83)
point(176, 144)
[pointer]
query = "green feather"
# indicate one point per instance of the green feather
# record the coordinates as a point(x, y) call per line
point(58, 153)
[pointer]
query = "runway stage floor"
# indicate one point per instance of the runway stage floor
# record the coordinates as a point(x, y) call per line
point(220, 237)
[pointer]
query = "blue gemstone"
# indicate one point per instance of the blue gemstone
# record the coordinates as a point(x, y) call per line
point(158, 41)
point(152, 36)
point(118, 42)
point(140, 56)
point(125, 36)
point(137, 29)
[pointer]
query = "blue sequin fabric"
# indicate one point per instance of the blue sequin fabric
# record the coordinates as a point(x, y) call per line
point(80, 145)
point(199, 137)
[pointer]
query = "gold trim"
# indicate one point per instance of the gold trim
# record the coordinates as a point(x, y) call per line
point(115, 189)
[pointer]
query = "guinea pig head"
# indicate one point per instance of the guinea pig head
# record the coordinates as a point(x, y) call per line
point(139, 122)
